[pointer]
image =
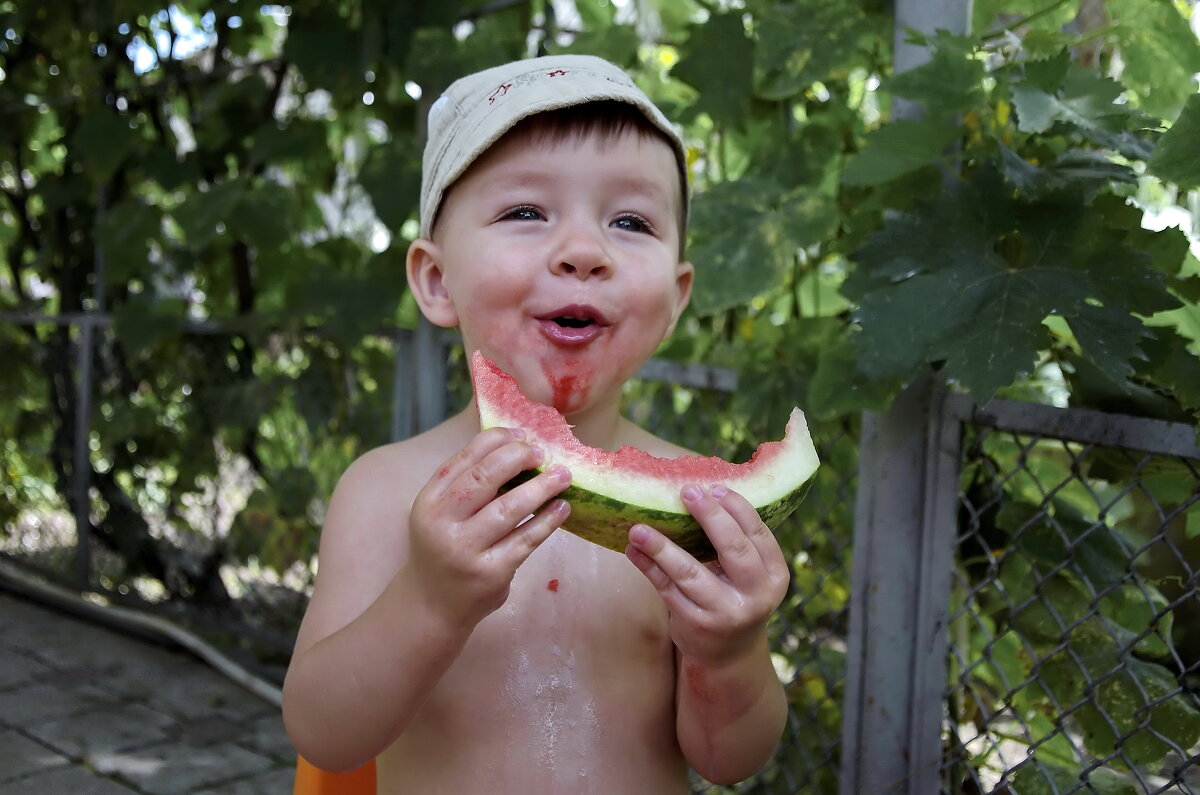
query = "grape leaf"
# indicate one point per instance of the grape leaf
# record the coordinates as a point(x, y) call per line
point(1142, 707)
point(1159, 51)
point(745, 237)
point(949, 83)
point(1176, 157)
point(1108, 337)
point(391, 176)
point(1042, 778)
point(103, 140)
point(324, 47)
point(803, 42)
point(203, 211)
point(968, 277)
point(718, 60)
point(1084, 100)
point(898, 148)
point(124, 234)
point(145, 319)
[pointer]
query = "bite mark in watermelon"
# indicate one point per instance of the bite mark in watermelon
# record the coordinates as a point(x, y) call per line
point(612, 490)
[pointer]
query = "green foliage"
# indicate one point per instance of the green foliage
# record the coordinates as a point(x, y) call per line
point(234, 185)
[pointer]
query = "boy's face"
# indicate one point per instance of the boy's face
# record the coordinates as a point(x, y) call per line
point(559, 260)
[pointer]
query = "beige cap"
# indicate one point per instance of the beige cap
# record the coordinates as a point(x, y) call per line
point(476, 110)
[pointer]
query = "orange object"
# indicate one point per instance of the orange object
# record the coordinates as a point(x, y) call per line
point(315, 781)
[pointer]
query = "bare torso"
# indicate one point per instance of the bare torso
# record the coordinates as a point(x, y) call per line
point(568, 688)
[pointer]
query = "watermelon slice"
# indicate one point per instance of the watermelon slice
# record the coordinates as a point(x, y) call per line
point(611, 490)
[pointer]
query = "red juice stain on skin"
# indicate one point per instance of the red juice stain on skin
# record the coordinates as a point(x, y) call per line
point(697, 683)
point(703, 691)
point(568, 384)
point(552, 585)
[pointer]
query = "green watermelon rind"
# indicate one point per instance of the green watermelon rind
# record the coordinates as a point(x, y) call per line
point(605, 520)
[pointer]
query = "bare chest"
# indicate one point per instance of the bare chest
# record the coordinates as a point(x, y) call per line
point(563, 687)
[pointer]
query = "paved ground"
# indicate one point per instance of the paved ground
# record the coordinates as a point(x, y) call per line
point(84, 710)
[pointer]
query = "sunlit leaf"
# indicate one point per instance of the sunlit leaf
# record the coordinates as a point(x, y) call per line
point(1160, 52)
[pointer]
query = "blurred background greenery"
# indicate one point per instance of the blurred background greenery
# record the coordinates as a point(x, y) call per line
point(212, 200)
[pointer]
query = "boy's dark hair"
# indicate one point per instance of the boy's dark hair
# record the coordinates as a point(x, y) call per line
point(605, 119)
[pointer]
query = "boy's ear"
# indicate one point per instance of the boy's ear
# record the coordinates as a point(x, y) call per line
point(684, 276)
point(424, 270)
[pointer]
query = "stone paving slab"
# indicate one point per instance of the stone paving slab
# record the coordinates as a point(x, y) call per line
point(66, 781)
point(21, 756)
point(85, 709)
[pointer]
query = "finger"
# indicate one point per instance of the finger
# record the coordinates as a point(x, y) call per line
point(755, 528)
point(478, 484)
point(479, 447)
point(508, 510)
point(519, 544)
point(737, 554)
point(692, 578)
point(676, 600)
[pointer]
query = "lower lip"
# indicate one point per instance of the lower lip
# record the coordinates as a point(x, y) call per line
point(567, 335)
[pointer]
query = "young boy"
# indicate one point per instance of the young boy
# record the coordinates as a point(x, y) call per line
point(455, 634)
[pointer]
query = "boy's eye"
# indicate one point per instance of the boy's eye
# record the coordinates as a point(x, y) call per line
point(523, 214)
point(632, 223)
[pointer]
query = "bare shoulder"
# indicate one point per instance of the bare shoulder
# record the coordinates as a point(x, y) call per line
point(364, 539)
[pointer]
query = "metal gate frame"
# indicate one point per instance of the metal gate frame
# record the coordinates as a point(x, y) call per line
point(904, 537)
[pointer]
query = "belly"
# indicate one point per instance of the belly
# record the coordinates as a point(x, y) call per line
point(567, 688)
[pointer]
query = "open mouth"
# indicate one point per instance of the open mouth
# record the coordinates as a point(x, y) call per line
point(574, 324)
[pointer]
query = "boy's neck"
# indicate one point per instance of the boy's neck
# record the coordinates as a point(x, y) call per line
point(598, 426)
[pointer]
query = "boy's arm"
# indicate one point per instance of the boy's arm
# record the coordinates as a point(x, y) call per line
point(731, 708)
point(399, 592)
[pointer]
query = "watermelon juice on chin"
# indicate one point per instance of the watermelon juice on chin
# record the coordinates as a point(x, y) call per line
point(612, 490)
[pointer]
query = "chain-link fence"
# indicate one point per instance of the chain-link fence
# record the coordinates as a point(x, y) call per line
point(1074, 629)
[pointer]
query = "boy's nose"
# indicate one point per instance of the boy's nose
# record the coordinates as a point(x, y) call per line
point(583, 255)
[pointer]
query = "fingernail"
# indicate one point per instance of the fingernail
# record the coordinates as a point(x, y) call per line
point(561, 507)
point(561, 473)
point(718, 491)
point(691, 493)
point(537, 451)
point(517, 433)
point(639, 534)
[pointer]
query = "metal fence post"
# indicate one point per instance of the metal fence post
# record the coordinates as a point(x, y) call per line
point(430, 375)
point(81, 467)
point(904, 531)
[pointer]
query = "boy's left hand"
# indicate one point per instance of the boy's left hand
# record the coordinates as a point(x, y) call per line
point(718, 610)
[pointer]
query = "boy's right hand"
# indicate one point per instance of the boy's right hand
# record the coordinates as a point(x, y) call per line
point(467, 540)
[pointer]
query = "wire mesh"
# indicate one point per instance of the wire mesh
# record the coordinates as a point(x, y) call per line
point(1074, 621)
